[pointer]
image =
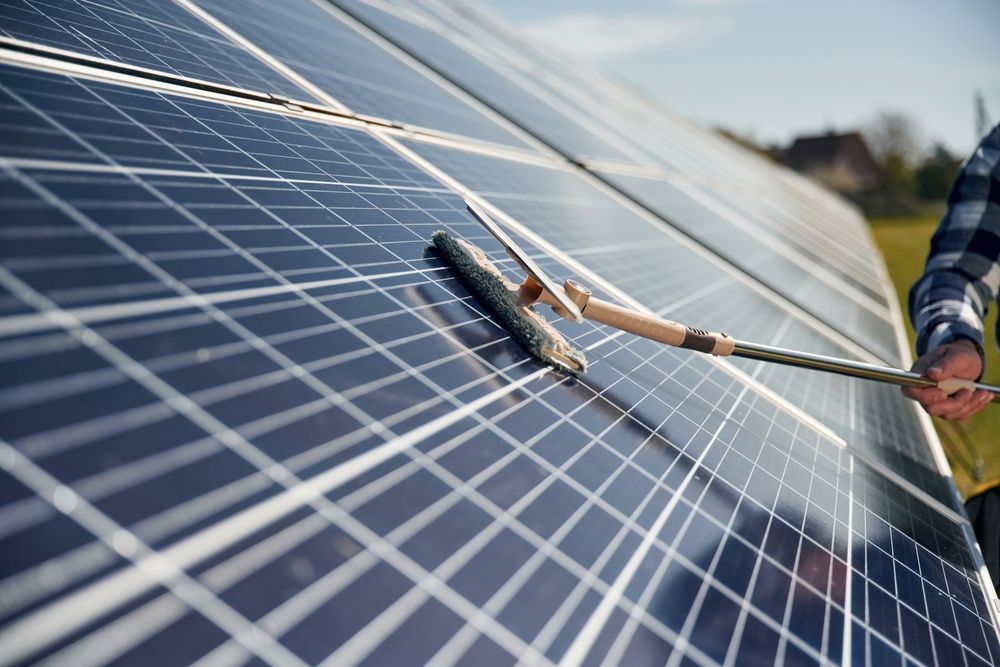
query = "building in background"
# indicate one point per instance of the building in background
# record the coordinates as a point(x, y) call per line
point(839, 161)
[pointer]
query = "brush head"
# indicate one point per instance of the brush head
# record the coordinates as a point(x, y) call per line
point(487, 284)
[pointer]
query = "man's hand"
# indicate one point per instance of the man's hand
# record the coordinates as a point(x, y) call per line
point(959, 359)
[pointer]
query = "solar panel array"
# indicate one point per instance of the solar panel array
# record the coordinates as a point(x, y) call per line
point(246, 415)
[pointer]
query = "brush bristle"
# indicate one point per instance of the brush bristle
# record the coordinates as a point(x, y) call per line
point(526, 326)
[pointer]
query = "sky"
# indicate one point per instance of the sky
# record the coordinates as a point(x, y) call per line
point(775, 69)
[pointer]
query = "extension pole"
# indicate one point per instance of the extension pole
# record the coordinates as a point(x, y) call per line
point(573, 302)
point(857, 369)
point(722, 345)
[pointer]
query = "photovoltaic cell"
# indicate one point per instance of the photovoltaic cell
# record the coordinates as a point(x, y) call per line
point(489, 84)
point(357, 72)
point(873, 418)
point(237, 388)
point(135, 128)
point(733, 217)
point(853, 262)
point(779, 270)
point(162, 36)
point(545, 75)
point(768, 197)
point(580, 219)
point(781, 267)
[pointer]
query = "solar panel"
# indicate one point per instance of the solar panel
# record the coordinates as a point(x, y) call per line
point(639, 258)
point(310, 38)
point(771, 200)
point(579, 217)
point(463, 64)
point(161, 36)
point(246, 416)
point(840, 302)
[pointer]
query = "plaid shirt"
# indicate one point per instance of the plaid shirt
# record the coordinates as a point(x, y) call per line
point(962, 274)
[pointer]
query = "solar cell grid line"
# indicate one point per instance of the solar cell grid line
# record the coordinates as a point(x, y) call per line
point(705, 576)
point(874, 420)
point(160, 36)
point(89, 315)
point(539, 114)
point(552, 198)
point(765, 209)
point(115, 537)
point(888, 565)
point(583, 643)
point(858, 268)
point(539, 557)
point(701, 595)
point(719, 227)
point(359, 72)
point(930, 477)
point(573, 599)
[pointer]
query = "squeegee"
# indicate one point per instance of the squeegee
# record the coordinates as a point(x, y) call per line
point(513, 304)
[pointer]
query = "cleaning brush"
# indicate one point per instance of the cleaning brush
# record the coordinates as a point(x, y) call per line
point(512, 304)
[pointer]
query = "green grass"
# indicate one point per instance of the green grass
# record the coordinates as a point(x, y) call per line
point(904, 242)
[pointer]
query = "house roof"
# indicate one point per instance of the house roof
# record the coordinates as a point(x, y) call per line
point(826, 148)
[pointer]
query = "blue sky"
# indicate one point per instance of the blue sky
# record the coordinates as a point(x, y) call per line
point(776, 68)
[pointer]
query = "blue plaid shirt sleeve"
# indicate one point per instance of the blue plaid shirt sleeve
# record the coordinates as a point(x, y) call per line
point(962, 274)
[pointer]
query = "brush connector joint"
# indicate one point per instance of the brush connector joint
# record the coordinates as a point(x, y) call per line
point(578, 294)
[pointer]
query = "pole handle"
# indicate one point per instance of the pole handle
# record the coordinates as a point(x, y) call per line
point(641, 324)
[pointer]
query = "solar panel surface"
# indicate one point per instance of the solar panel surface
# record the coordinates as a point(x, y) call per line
point(639, 257)
point(802, 279)
point(542, 116)
point(160, 36)
point(247, 417)
point(745, 182)
point(309, 37)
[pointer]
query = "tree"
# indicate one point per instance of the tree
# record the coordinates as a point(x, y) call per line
point(936, 174)
point(894, 134)
point(893, 139)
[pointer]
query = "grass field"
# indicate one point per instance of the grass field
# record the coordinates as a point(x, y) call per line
point(904, 242)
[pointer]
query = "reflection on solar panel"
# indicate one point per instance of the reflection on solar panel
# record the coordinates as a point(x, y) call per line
point(160, 36)
point(311, 39)
point(247, 416)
